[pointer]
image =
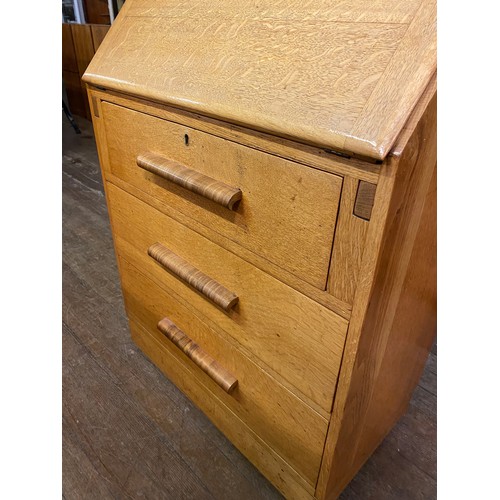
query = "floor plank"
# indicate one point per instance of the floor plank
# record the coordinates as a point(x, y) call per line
point(127, 431)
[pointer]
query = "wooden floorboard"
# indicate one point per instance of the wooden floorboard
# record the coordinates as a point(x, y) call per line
point(128, 432)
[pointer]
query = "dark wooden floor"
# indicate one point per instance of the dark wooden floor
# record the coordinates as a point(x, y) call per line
point(127, 431)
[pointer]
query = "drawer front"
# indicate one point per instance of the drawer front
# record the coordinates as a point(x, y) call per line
point(284, 422)
point(287, 212)
point(291, 335)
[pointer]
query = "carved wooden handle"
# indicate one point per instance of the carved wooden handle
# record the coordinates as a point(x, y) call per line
point(190, 179)
point(191, 349)
point(203, 283)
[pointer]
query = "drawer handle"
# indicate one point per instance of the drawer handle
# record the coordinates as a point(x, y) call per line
point(204, 284)
point(193, 351)
point(190, 179)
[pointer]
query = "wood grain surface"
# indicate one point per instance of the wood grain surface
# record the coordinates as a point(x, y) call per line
point(415, 117)
point(285, 423)
point(194, 352)
point(369, 11)
point(214, 291)
point(393, 323)
point(314, 156)
point(345, 77)
point(286, 479)
point(348, 245)
point(283, 201)
point(297, 340)
point(364, 200)
point(128, 432)
point(190, 179)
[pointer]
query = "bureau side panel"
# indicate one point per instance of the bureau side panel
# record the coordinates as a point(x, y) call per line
point(393, 320)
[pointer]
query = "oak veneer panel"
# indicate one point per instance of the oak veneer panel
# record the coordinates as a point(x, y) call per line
point(345, 84)
point(393, 322)
point(305, 81)
point(283, 421)
point(289, 221)
point(415, 56)
point(367, 11)
point(284, 477)
point(348, 245)
point(321, 296)
point(415, 117)
point(316, 157)
point(290, 334)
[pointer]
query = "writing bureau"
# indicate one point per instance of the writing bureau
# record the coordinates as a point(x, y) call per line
point(269, 170)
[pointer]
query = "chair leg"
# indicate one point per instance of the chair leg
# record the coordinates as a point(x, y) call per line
point(67, 112)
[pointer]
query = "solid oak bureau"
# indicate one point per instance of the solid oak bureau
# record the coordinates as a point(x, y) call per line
point(270, 174)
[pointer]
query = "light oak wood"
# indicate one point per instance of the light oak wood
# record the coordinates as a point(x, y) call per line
point(299, 205)
point(190, 179)
point(349, 245)
point(324, 78)
point(277, 470)
point(321, 158)
point(393, 321)
point(415, 117)
point(291, 336)
point(293, 104)
point(335, 304)
point(411, 67)
point(368, 11)
point(323, 297)
point(90, 282)
point(207, 286)
point(194, 352)
point(277, 416)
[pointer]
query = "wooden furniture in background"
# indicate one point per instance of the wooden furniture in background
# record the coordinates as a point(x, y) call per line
point(315, 287)
point(96, 11)
point(79, 44)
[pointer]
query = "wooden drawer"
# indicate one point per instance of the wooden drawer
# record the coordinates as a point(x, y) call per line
point(293, 337)
point(287, 212)
point(276, 415)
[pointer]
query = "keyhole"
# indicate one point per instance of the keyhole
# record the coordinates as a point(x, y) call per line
point(186, 139)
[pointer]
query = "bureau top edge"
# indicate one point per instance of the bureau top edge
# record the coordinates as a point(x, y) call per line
point(345, 77)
